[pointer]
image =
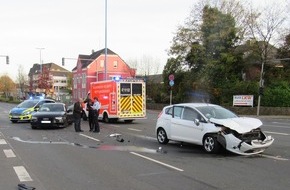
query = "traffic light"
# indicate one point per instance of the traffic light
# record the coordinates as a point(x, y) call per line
point(7, 60)
point(62, 61)
point(261, 91)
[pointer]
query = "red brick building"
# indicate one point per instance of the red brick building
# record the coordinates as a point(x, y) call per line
point(91, 68)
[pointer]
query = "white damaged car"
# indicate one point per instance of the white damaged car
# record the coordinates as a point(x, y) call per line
point(213, 127)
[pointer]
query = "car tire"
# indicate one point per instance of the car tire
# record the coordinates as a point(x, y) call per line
point(33, 127)
point(210, 144)
point(65, 124)
point(128, 121)
point(14, 121)
point(106, 118)
point(162, 136)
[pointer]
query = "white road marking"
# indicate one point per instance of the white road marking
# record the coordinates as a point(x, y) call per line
point(2, 141)
point(274, 157)
point(9, 153)
point(115, 126)
point(276, 133)
point(22, 174)
point(144, 137)
point(277, 126)
point(90, 137)
point(132, 129)
point(158, 162)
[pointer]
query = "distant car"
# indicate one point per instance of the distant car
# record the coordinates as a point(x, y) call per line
point(83, 115)
point(23, 111)
point(213, 127)
point(51, 115)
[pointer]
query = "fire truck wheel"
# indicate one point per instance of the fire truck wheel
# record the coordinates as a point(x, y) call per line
point(128, 121)
point(106, 118)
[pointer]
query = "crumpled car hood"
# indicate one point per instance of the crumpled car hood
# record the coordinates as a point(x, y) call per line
point(239, 124)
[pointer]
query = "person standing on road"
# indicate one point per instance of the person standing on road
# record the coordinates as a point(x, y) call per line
point(78, 109)
point(91, 114)
point(96, 107)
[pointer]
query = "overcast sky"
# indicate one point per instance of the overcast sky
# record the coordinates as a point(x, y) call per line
point(67, 28)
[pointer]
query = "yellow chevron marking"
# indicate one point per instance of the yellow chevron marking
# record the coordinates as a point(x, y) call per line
point(131, 104)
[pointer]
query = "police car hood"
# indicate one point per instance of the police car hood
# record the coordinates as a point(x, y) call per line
point(239, 124)
point(18, 110)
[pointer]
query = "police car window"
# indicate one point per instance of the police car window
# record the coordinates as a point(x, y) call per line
point(177, 111)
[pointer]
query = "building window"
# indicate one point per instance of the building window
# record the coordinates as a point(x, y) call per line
point(102, 63)
point(115, 64)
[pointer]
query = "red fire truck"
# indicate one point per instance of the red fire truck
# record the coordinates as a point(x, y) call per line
point(123, 99)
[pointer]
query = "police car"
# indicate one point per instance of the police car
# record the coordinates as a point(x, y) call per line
point(23, 111)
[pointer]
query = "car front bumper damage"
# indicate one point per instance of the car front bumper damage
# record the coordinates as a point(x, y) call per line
point(238, 146)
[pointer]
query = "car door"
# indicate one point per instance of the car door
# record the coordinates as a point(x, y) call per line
point(176, 124)
point(184, 126)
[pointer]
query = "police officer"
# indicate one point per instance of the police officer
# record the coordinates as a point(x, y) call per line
point(96, 108)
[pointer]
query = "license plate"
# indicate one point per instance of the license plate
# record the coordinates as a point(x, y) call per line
point(45, 122)
point(15, 117)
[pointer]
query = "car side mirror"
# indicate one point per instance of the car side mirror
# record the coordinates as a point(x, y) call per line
point(196, 121)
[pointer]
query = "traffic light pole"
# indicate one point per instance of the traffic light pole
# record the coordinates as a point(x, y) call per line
point(64, 58)
point(261, 86)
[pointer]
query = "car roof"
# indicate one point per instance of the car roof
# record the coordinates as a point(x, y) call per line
point(193, 105)
point(38, 100)
point(54, 103)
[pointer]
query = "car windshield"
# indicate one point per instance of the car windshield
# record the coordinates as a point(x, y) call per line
point(28, 104)
point(217, 112)
point(51, 108)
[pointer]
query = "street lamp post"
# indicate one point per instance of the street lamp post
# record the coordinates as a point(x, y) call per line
point(106, 51)
point(40, 61)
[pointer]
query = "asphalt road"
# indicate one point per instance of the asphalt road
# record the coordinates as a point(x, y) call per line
point(61, 159)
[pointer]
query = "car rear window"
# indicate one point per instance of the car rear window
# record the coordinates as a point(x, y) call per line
point(168, 111)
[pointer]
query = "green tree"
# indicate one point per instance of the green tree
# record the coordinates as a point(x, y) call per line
point(69, 83)
point(7, 86)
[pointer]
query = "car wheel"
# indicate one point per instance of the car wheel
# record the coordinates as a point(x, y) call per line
point(210, 144)
point(14, 121)
point(33, 127)
point(65, 124)
point(162, 136)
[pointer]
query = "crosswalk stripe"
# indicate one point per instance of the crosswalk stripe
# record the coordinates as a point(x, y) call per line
point(9, 153)
point(22, 173)
point(2, 141)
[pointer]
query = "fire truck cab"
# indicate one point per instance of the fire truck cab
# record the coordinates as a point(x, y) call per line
point(123, 99)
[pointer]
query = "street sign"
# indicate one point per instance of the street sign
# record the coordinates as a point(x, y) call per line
point(171, 77)
point(171, 83)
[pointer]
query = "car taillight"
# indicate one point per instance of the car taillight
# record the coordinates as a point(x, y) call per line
point(160, 114)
